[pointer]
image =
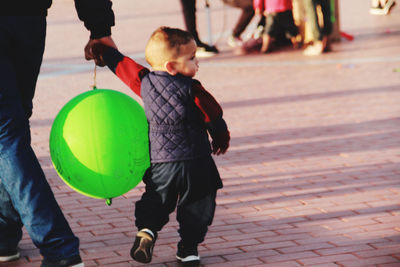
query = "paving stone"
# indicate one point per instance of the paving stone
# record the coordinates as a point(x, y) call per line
point(312, 174)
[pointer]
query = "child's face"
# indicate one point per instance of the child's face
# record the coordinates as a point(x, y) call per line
point(186, 63)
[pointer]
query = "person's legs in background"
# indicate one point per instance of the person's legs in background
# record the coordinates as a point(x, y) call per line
point(328, 26)
point(189, 16)
point(319, 35)
point(245, 17)
point(312, 20)
point(381, 7)
point(26, 197)
point(270, 31)
point(254, 43)
point(286, 30)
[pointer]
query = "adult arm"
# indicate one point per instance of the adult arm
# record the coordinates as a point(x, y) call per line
point(98, 18)
point(97, 15)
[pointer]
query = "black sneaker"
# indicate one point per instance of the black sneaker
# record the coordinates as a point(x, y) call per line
point(74, 261)
point(205, 50)
point(8, 255)
point(188, 255)
point(142, 250)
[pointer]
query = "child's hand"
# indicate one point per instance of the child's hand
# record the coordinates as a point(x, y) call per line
point(220, 143)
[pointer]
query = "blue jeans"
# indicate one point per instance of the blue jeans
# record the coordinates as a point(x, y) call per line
point(26, 198)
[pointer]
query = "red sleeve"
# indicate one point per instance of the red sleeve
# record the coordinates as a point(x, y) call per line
point(128, 70)
point(207, 104)
point(212, 115)
point(131, 73)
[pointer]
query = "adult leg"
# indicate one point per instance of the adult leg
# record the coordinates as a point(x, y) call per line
point(243, 21)
point(10, 222)
point(320, 41)
point(290, 30)
point(270, 32)
point(326, 13)
point(375, 3)
point(189, 17)
point(312, 18)
point(21, 49)
point(381, 7)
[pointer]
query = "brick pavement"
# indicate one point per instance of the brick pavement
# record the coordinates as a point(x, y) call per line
point(312, 175)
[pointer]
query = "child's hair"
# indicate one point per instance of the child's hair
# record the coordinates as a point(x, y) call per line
point(164, 44)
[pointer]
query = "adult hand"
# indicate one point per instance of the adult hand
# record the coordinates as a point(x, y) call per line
point(108, 41)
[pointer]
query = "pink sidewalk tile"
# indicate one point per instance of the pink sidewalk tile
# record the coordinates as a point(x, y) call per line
point(312, 174)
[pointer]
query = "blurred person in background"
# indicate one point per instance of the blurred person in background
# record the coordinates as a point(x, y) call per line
point(320, 33)
point(189, 16)
point(279, 18)
point(381, 7)
point(246, 15)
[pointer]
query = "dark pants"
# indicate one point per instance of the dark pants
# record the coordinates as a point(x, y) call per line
point(188, 185)
point(310, 7)
point(25, 196)
point(281, 22)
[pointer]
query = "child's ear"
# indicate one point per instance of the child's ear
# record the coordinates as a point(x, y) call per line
point(170, 67)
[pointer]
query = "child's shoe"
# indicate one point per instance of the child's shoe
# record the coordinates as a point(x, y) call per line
point(188, 256)
point(8, 255)
point(142, 250)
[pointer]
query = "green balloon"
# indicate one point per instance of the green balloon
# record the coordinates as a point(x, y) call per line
point(99, 143)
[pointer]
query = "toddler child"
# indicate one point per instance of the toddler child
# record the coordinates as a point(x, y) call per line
point(180, 112)
point(279, 16)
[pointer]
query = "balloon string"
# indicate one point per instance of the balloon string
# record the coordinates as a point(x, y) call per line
point(94, 78)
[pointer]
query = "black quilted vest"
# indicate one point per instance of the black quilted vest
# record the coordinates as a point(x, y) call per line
point(176, 129)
